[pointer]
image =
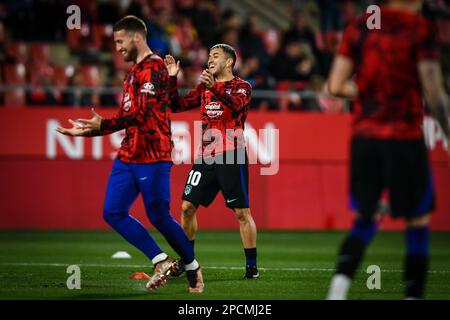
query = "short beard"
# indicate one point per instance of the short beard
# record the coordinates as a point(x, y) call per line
point(132, 55)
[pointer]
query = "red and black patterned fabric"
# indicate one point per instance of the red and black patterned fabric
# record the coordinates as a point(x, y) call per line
point(389, 105)
point(224, 108)
point(144, 114)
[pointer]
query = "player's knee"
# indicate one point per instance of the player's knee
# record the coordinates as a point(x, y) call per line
point(417, 236)
point(243, 215)
point(419, 221)
point(158, 211)
point(364, 229)
point(188, 209)
point(110, 216)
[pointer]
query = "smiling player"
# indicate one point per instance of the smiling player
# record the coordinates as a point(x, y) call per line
point(222, 164)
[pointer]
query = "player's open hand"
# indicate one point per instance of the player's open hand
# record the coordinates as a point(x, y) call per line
point(207, 78)
point(93, 123)
point(76, 130)
point(172, 67)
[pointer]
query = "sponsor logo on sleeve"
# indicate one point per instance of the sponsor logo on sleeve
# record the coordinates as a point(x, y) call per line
point(126, 102)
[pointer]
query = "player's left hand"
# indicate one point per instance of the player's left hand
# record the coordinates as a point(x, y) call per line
point(92, 123)
point(207, 78)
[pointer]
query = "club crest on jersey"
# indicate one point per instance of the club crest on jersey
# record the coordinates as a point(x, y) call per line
point(213, 109)
point(126, 102)
point(188, 189)
point(148, 87)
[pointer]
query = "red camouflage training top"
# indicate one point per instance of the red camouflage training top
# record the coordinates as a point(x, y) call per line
point(223, 107)
point(144, 114)
point(389, 104)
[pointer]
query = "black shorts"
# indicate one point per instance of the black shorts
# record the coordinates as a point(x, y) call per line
point(401, 167)
point(206, 179)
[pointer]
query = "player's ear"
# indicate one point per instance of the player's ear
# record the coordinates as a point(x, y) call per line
point(230, 63)
point(137, 37)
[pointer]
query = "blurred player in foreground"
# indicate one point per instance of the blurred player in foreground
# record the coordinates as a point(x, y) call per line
point(222, 164)
point(393, 67)
point(144, 160)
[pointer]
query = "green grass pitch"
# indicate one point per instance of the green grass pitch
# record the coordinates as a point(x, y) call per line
point(293, 265)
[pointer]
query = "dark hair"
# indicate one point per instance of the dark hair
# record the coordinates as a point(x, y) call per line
point(228, 50)
point(131, 23)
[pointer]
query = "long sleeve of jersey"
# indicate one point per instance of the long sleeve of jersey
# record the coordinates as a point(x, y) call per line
point(189, 101)
point(133, 118)
point(143, 99)
point(103, 129)
point(235, 101)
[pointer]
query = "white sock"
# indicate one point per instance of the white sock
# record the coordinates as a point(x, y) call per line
point(192, 266)
point(340, 284)
point(158, 258)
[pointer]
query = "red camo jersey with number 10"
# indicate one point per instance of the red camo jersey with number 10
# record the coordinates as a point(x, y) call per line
point(389, 103)
point(144, 114)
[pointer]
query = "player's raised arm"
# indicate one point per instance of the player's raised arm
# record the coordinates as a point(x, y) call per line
point(339, 82)
point(431, 79)
point(178, 103)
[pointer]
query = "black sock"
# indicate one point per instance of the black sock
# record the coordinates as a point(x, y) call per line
point(250, 256)
point(350, 256)
point(416, 267)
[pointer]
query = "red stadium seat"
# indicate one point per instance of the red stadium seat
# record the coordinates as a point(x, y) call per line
point(79, 39)
point(17, 52)
point(40, 52)
point(91, 75)
point(15, 97)
point(15, 74)
point(38, 71)
point(62, 74)
point(271, 39)
point(285, 86)
point(103, 36)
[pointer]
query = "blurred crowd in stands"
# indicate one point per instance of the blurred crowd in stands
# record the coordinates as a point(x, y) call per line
point(52, 65)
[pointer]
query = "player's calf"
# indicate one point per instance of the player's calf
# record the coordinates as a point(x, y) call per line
point(350, 256)
point(417, 257)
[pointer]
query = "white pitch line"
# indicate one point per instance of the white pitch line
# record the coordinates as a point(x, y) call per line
point(112, 265)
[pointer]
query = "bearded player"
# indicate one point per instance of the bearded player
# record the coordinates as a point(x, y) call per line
point(144, 162)
point(221, 164)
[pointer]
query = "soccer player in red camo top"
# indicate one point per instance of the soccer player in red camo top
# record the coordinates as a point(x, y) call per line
point(144, 160)
point(394, 67)
point(221, 164)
